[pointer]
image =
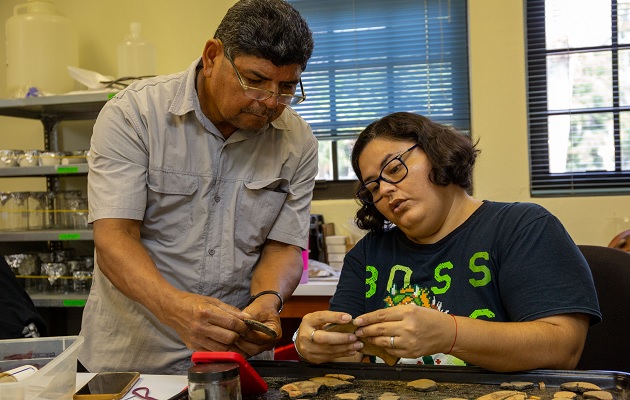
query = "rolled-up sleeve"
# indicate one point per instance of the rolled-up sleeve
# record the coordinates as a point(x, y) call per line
point(117, 166)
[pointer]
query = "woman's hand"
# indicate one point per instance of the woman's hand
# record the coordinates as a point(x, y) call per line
point(408, 331)
point(317, 345)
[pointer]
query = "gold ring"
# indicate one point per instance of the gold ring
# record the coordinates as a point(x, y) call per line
point(313, 334)
point(391, 342)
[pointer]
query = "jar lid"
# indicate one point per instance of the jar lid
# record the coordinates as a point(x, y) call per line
point(212, 372)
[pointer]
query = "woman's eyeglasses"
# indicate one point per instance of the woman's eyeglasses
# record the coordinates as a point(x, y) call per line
point(393, 172)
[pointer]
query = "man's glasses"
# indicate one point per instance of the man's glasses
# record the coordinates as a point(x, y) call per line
point(393, 172)
point(260, 94)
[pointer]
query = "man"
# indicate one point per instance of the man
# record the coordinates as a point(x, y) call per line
point(199, 188)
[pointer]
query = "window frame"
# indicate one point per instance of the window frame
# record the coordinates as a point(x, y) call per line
point(542, 182)
point(345, 188)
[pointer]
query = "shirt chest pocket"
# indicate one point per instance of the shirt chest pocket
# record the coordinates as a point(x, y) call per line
point(259, 204)
point(170, 203)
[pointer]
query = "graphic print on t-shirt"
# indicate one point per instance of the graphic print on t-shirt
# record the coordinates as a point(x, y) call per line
point(421, 297)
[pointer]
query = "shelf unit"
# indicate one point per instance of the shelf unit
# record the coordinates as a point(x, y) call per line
point(51, 110)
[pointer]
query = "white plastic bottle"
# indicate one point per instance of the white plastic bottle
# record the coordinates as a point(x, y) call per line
point(136, 57)
point(41, 44)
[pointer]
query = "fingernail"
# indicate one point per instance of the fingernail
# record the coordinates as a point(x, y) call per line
point(357, 345)
point(359, 333)
point(358, 321)
point(346, 318)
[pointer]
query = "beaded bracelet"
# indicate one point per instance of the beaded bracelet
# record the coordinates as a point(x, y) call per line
point(254, 297)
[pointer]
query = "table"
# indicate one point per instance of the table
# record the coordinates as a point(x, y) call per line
point(372, 379)
point(160, 386)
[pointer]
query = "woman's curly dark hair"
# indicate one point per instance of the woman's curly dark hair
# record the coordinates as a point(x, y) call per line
point(451, 153)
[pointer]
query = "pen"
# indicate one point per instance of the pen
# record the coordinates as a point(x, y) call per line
point(183, 395)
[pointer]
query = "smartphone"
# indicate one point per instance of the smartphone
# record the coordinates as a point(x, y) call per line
point(107, 386)
point(251, 382)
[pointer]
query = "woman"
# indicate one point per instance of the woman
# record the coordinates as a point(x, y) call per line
point(499, 285)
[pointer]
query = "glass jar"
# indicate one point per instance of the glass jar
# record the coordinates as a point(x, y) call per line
point(14, 211)
point(63, 200)
point(38, 210)
point(27, 267)
point(77, 216)
point(81, 281)
point(57, 280)
point(214, 381)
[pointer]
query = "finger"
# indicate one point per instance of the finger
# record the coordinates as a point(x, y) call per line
point(211, 336)
point(216, 316)
point(321, 318)
point(376, 330)
point(383, 315)
point(226, 308)
point(251, 348)
point(322, 336)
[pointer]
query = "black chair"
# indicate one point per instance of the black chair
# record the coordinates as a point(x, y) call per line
point(608, 343)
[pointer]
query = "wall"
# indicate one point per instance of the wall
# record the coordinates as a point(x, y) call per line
point(498, 94)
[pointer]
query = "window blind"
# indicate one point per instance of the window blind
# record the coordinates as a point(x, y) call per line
point(578, 56)
point(375, 57)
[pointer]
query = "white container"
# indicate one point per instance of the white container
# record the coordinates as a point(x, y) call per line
point(336, 248)
point(56, 358)
point(50, 158)
point(41, 44)
point(30, 158)
point(336, 239)
point(9, 158)
point(136, 57)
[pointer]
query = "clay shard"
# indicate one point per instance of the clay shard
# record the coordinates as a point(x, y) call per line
point(423, 385)
point(260, 327)
point(579, 387)
point(332, 383)
point(504, 395)
point(300, 389)
point(516, 385)
point(368, 348)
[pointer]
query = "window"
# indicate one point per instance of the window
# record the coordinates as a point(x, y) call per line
point(375, 57)
point(579, 96)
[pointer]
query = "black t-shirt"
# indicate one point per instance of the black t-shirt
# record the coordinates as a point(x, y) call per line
point(19, 316)
point(507, 262)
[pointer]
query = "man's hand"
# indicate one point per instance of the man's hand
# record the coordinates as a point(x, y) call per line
point(207, 324)
point(265, 312)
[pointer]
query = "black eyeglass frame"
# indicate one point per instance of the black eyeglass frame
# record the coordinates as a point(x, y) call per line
point(364, 189)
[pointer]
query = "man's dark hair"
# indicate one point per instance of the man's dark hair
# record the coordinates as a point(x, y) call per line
point(269, 29)
point(451, 154)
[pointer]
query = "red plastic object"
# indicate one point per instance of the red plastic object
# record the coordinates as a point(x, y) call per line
point(251, 382)
point(286, 353)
